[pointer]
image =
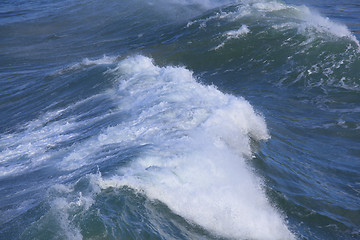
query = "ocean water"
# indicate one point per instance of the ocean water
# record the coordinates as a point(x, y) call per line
point(180, 119)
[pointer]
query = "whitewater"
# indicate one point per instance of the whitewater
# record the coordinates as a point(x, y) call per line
point(179, 119)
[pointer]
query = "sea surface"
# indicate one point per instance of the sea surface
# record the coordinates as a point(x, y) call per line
point(179, 119)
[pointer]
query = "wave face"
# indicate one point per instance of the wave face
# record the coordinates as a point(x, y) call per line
point(179, 119)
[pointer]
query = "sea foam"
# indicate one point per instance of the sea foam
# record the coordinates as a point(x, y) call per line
point(198, 141)
point(192, 146)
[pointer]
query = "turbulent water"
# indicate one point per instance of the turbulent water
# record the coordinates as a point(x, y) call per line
point(179, 119)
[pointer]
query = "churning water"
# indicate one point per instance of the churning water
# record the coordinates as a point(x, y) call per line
point(179, 119)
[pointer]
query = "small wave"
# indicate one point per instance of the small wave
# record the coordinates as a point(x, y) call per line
point(206, 4)
point(86, 62)
point(234, 34)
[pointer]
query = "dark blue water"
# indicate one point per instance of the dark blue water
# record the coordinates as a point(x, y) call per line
point(180, 119)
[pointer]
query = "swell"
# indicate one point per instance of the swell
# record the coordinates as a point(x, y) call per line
point(288, 44)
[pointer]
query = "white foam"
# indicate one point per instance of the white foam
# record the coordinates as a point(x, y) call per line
point(28, 149)
point(269, 6)
point(313, 20)
point(86, 62)
point(233, 34)
point(282, 16)
point(64, 201)
point(203, 22)
point(31, 146)
point(206, 4)
point(237, 33)
point(306, 20)
point(309, 20)
point(60, 208)
point(198, 141)
point(101, 61)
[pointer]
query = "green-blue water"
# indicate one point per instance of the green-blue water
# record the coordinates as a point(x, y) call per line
point(179, 119)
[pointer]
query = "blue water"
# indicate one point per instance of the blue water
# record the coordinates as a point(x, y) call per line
point(180, 119)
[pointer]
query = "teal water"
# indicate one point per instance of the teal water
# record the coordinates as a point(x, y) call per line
point(179, 119)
